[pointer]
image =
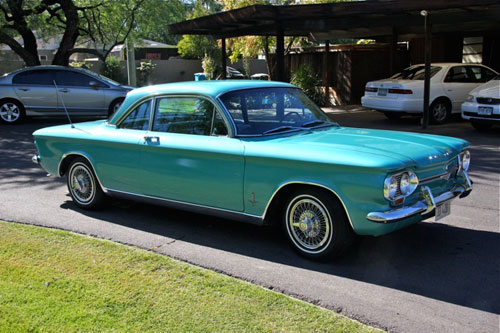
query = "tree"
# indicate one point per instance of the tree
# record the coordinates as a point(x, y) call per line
point(106, 23)
point(197, 46)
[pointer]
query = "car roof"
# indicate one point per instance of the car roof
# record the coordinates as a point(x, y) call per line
point(448, 64)
point(212, 88)
point(31, 68)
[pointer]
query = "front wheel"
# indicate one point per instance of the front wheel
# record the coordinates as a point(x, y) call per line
point(83, 185)
point(316, 225)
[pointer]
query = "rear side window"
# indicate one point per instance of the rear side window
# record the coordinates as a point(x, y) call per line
point(415, 73)
point(459, 74)
point(481, 74)
point(37, 77)
point(138, 119)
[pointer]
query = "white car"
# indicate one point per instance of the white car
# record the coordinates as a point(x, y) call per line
point(403, 93)
point(482, 106)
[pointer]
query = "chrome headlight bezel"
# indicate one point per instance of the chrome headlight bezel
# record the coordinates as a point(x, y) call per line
point(464, 160)
point(400, 185)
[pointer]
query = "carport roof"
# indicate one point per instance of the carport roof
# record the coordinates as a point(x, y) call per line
point(358, 19)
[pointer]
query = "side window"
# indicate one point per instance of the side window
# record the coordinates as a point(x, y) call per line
point(138, 119)
point(487, 74)
point(188, 115)
point(476, 73)
point(73, 79)
point(458, 74)
point(37, 77)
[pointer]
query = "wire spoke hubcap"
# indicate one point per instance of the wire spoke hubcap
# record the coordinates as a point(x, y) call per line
point(82, 184)
point(308, 223)
point(10, 112)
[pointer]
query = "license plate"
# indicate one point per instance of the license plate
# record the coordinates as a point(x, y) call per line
point(484, 110)
point(382, 92)
point(443, 210)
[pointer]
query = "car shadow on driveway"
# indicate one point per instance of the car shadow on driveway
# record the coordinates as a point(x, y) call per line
point(435, 260)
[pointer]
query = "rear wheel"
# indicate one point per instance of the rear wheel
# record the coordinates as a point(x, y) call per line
point(83, 185)
point(439, 111)
point(11, 112)
point(480, 126)
point(316, 224)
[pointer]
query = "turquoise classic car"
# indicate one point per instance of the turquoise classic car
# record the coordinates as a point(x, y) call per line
point(258, 152)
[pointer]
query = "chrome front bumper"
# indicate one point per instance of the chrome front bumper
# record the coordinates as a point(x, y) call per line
point(423, 207)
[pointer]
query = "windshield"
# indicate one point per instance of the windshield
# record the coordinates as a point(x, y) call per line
point(415, 73)
point(102, 77)
point(266, 111)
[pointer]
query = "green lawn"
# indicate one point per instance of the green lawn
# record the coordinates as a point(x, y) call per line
point(59, 281)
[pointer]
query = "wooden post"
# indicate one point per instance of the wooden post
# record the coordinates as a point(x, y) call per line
point(280, 54)
point(427, 79)
point(326, 72)
point(224, 59)
point(394, 51)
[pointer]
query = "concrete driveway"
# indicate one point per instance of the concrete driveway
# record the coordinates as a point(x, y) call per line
point(432, 277)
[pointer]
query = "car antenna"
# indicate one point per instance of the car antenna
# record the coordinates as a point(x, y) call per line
point(64, 105)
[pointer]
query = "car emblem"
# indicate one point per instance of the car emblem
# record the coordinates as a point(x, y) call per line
point(490, 100)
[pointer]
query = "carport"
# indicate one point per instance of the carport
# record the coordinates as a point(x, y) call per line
point(383, 20)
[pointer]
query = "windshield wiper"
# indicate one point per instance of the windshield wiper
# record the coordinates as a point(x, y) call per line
point(280, 129)
point(317, 123)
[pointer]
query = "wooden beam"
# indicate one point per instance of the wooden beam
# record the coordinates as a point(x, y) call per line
point(280, 54)
point(326, 73)
point(394, 51)
point(224, 58)
point(427, 79)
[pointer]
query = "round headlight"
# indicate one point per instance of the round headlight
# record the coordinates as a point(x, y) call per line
point(404, 186)
point(465, 160)
point(390, 187)
point(408, 183)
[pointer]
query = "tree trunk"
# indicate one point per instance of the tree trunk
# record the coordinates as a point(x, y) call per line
point(70, 35)
point(29, 58)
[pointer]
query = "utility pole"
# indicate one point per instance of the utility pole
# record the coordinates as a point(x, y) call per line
point(131, 64)
point(427, 79)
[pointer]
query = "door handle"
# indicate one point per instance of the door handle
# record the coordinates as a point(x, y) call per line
point(450, 89)
point(24, 89)
point(64, 90)
point(152, 139)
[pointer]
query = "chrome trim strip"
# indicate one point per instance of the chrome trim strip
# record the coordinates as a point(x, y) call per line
point(88, 159)
point(219, 212)
point(433, 178)
point(425, 206)
point(307, 183)
point(35, 159)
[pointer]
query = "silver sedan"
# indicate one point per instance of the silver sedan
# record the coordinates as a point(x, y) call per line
point(32, 92)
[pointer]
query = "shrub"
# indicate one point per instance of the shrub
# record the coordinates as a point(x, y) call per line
point(208, 65)
point(80, 64)
point(306, 79)
point(146, 69)
point(112, 69)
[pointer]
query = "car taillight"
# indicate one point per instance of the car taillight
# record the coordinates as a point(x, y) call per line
point(400, 91)
point(370, 89)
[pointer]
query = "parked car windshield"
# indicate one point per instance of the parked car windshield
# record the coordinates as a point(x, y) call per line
point(415, 73)
point(268, 111)
point(102, 77)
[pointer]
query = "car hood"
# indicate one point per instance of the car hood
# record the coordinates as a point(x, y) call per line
point(361, 147)
point(489, 89)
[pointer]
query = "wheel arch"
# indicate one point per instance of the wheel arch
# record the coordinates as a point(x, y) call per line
point(282, 193)
point(12, 99)
point(69, 157)
point(443, 98)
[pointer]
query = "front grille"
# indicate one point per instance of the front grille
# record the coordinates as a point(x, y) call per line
point(487, 100)
point(472, 114)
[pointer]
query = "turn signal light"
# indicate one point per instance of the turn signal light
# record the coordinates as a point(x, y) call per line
point(400, 91)
point(370, 89)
